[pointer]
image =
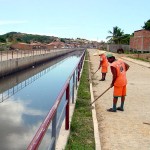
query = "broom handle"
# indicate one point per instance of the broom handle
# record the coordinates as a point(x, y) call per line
point(100, 95)
point(94, 72)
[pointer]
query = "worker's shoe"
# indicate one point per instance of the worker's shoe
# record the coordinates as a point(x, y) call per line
point(119, 108)
point(102, 80)
point(111, 110)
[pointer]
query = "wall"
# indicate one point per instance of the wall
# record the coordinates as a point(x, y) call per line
point(14, 65)
point(115, 47)
point(140, 41)
point(142, 56)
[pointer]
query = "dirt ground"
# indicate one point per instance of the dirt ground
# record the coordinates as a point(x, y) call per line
point(123, 130)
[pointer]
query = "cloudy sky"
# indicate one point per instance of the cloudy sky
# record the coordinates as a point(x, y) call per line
point(89, 19)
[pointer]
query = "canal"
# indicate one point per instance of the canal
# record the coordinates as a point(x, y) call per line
point(27, 96)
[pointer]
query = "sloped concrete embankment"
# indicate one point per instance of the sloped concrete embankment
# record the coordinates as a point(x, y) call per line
point(15, 65)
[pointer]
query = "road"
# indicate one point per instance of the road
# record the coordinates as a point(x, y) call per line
point(128, 130)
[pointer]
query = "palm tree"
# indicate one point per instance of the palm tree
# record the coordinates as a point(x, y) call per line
point(125, 39)
point(116, 35)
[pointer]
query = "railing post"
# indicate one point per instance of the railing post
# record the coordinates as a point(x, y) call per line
point(12, 54)
point(81, 60)
point(78, 71)
point(1, 56)
point(67, 107)
point(54, 125)
point(7, 54)
point(17, 54)
point(76, 78)
point(21, 53)
point(73, 87)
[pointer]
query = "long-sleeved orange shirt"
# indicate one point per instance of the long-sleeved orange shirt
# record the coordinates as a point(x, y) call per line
point(104, 61)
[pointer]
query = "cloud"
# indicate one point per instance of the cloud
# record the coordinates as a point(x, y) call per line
point(8, 22)
point(16, 132)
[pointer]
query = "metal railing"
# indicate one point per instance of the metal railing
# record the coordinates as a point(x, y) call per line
point(51, 118)
point(13, 54)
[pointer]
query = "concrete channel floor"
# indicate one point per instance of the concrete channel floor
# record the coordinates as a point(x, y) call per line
point(128, 130)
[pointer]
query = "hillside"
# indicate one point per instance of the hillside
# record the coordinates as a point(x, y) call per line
point(13, 38)
point(25, 38)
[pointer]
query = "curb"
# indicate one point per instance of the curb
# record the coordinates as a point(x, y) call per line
point(141, 63)
point(94, 117)
point(95, 123)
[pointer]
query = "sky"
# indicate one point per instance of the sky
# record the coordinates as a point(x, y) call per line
point(87, 19)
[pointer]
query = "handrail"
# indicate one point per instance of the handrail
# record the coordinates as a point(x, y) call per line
point(51, 115)
point(16, 54)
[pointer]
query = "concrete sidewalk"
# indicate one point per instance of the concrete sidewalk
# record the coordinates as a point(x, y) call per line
point(128, 130)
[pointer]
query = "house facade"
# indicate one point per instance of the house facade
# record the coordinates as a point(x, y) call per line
point(140, 41)
point(25, 46)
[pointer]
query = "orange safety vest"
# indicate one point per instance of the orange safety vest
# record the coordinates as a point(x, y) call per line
point(121, 73)
point(104, 60)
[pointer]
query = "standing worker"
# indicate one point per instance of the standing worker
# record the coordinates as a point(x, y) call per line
point(103, 63)
point(119, 81)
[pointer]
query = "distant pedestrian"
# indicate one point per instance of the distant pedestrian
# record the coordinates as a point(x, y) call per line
point(119, 81)
point(103, 63)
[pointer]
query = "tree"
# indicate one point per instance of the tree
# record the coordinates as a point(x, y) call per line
point(62, 40)
point(116, 35)
point(146, 25)
point(2, 40)
point(125, 39)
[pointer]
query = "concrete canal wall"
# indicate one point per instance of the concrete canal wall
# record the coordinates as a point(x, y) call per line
point(14, 65)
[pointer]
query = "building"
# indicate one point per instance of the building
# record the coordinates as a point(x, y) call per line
point(141, 41)
point(25, 46)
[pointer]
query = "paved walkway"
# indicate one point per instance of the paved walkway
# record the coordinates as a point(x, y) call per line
point(128, 130)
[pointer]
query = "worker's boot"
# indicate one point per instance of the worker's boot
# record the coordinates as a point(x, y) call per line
point(103, 77)
point(121, 108)
point(114, 109)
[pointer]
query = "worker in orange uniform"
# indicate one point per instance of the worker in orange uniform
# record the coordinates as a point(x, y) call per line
point(119, 81)
point(103, 63)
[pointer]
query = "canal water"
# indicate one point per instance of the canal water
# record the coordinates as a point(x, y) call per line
point(26, 98)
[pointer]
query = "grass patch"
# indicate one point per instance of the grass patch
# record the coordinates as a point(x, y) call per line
point(81, 129)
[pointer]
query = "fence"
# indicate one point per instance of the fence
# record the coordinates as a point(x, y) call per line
point(9, 66)
point(51, 118)
point(12, 54)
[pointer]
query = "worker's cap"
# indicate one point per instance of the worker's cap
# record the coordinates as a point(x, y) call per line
point(99, 52)
point(109, 55)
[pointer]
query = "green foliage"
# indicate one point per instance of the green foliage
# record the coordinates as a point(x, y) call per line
point(118, 36)
point(2, 40)
point(82, 132)
point(62, 40)
point(4, 46)
point(26, 38)
point(125, 39)
point(146, 25)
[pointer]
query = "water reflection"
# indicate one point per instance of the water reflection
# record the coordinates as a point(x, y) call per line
point(13, 129)
point(26, 99)
point(14, 83)
point(18, 84)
